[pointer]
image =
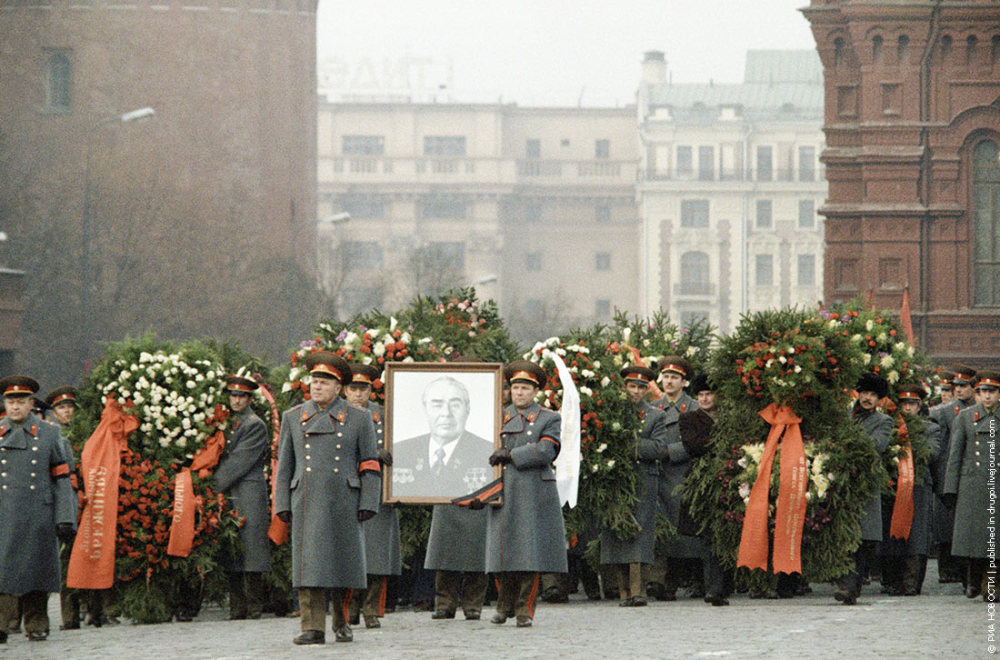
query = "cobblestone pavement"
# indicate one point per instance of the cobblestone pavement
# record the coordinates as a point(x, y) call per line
point(941, 622)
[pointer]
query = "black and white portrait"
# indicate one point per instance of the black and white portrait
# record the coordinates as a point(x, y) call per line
point(442, 421)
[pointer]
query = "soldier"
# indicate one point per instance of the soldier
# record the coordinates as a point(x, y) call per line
point(950, 569)
point(381, 532)
point(633, 558)
point(240, 475)
point(327, 486)
point(872, 388)
point(525, 535)
point(904, 562)
point(967, 486)
point(676, 561)
point(37, 509)
point(947, 390)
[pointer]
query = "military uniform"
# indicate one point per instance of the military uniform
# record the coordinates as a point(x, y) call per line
point(36, 502)
point(525, 535)
point(328, 480)
point(240, 475)
point(968, 482)
point(650, 446)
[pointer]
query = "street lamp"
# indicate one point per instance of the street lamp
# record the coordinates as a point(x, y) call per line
point(134, 115)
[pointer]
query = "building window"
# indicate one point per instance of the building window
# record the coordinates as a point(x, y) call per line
point(362, 255)
point(448, 254)
point(533, 261)
point(603, 214)
point(602, 261)
point(533, 213)
point(807, 270)
point(363, 206)
point(986, 224)
point(807, 214)
point(58, 81)
point(685, 164)
point(706, 163)
point(357, 299)
point(533, 308)
point(807, 163)
point(533, 149)
point(764, 220)
point(602, 308)
point(442, 208)
point(602, 149)
point(765, 166)
point(694, 274)
point(765, 270)
point(694, 213)
point(444, 145)
point(363, 145)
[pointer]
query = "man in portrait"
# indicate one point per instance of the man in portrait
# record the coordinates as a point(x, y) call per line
point(448, 461)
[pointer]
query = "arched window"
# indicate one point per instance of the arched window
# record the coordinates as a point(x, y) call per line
point(838, 53)
point(877, 50)
point(59, 78)
point(995, 50)
point(970, 49)
point(694, 274)
point(903, 49)
point(986, 224)
point(946, 48)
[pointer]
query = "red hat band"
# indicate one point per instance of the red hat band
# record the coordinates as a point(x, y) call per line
point(524, 375)
point(673, 367)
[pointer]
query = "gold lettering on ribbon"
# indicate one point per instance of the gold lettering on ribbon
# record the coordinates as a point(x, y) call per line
point(94, 523)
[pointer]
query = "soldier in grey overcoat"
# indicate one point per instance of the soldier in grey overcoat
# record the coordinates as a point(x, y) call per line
point(327, 486)
point(240, 475)
point(681, 558)
point(950, 568)
point(382, 557)
point(871, 388)
point(525, 535)
point(37, 509)
point(633, 558)
point(904, 562)
point(968, 485)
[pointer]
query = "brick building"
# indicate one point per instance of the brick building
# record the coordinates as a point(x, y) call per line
point(912, 122)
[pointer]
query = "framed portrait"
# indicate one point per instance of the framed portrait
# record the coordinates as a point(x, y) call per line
point(442, 422)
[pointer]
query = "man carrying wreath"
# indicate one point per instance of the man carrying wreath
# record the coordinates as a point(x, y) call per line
point(327, 485)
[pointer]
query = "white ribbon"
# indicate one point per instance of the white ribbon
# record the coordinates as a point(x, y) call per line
point(568, 461)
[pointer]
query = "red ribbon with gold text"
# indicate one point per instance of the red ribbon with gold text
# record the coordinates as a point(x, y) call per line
point(902, 509)
point(791, 510)
point(186, 504)
point(278, 530)
point(92, 560)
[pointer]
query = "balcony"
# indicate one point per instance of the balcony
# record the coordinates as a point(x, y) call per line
point(694, 289)
point(737, 174)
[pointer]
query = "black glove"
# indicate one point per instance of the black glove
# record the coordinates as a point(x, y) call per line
point(65, 532)
point(365, 514)
point(385, 456)
point(500, 457)
point(285, 517)
point(477, 504)
point(949, 500)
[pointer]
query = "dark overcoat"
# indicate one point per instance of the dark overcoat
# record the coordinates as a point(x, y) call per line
point(919, 541)
point(240, 475)
point(943, 517)
point(35, 496)
point(381, 532)
point(673, 468)
point(328, 470)
point(526, 533)
point(878, 428)
point(696, 434)
point(651, 444)
point(973, 439)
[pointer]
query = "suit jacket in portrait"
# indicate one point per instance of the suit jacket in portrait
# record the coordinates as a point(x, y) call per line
point(466, 470)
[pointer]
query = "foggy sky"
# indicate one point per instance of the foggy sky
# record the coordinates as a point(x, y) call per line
point(551, 52)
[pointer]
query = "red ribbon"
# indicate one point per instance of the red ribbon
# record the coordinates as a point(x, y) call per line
point(902, 508)
point(186, 503)
point(278, 530)
point(791, 509)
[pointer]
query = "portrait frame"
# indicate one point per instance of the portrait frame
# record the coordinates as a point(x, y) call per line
point(421, 394)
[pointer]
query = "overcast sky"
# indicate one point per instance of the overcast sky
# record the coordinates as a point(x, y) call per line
point(546, 52)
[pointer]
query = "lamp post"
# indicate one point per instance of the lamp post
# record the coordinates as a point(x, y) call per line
point(296, 231)
point(85, 312)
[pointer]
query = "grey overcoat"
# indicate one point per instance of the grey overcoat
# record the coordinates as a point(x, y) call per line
point(968, 477)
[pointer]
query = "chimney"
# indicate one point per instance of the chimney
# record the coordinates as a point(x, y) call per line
point(654, 67)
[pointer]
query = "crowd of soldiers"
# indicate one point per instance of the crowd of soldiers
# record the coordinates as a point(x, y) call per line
point(346, 542)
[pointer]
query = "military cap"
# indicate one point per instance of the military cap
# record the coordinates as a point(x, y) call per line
point(328, 365)
point(912, 392)
point(18, 386)
point(988, 379)
point(363, 374)
point(873, 383)
point(675, 364)
point(61, 395)
point(946, 385)
point(523, 371)
point(638, 373)
point(240, 384)
point(701, 383)
point(963, 375)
